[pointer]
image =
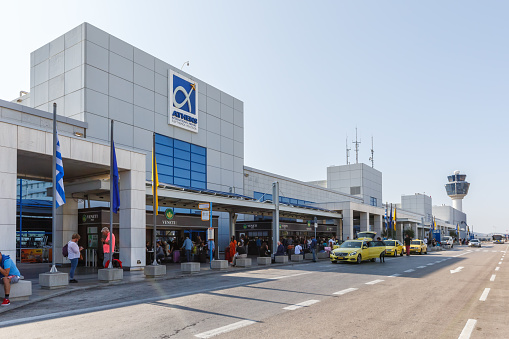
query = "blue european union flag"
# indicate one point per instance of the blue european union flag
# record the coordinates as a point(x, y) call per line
point(115, 194)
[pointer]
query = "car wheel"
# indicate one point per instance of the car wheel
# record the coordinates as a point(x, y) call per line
point(401, 254)
point(420, 253)
point(373, 259)
point(359, 259)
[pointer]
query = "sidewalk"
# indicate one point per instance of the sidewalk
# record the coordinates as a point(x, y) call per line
point(87, 278)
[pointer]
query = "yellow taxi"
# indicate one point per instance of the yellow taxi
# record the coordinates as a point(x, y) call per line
point(358, 251)
point(418, 246)
point(393, 247)
point(366, 235)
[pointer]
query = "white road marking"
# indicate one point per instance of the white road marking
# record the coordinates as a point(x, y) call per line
point(421, 266)
point(502, 258)
point(484, 294)
point(456, 270)
point(494, 251)
point(497, 268)
point(300, 305)
point(289, 276)
point(224, 329)
point(348, 290)
point(492, 277)
point(485, 251)
point(410, 270)
point(394, 275)
point(467, 330)
point(430, 264)
point(500, 263)
point(374, 282)
point(477, 250)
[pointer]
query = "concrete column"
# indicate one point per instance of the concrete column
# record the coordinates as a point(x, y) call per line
point(414, 226)
point(66, 226)
point(377, 221)
point(339, 228)
point(232, 217)
point(347, 224)
point(132, 220)
point(8, 177)
point(364, 221)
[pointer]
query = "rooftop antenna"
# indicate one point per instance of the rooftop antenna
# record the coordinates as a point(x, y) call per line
point(347, 152)
point(372, 154)
point(356, 147)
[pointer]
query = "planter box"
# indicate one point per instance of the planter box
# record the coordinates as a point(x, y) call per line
point(190, 267)
point(219, 264)
point(264, 260)
point(281, 259)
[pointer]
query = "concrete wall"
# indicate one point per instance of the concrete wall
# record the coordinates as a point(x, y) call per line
point(94, 76)
point(418, 203)
point(343, 178)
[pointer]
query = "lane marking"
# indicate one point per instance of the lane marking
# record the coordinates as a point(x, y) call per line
point(484, 294)
point(500, 263)
point(492, 277)
point(430, 264)
point(421, 266)
point(374, 282)
point(497, 268)
point(225, 329)
point(348, 290)
point(456, 270)
point(502, 258)
point(410, 270)
point(467, 330)
point(300, 305)
point(394, 275)
point(494, 251)
point(289, 276)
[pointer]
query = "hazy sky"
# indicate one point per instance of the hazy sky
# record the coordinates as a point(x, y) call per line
point(428, 80)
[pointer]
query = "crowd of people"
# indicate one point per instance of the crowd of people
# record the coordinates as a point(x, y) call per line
point(179, 250)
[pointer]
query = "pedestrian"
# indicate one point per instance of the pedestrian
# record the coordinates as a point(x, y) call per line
point(298, 248)
point(159, 252)
point(241, 253)
point(233, 246)
point(426, 242)
point(332, 242)
point(74, 254)
point(246, 244)
point(187, 246)
point(408, 240)
point(313, 248)
point(280, 248)
point(10, 275)
point(106, 245)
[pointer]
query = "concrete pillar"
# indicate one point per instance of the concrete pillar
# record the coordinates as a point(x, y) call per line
point(339, 228)
point(232, 217)
point(364, 221)
point(132, 220)
point(377, 221)
point(347, 224)
point(414, 226)
point(66, 226)
point(8, 177)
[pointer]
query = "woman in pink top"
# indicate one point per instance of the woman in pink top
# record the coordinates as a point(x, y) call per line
point(106, 245)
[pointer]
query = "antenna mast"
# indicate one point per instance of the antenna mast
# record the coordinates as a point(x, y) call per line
point(356, 147)
point(347, 152)
point(372, 154)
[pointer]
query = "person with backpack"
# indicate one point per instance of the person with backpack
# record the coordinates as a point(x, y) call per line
point(74, 254)
point(9, 274)
point(312, 246)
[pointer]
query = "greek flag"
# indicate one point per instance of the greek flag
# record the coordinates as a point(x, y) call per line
point(60, 194)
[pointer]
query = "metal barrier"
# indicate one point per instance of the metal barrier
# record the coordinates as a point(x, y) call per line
point(91, 257)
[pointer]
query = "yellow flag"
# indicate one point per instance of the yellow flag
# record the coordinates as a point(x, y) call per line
point(155, 183)
point(394, 217)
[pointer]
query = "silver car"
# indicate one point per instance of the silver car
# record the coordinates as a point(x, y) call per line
point(474, 243)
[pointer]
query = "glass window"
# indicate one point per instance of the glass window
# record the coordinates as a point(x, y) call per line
point(198, 184)
point(182, 154)
point(182, 145)
point(164, 170)
point(198, 158)
point(163, 140)
point(198, 150)
point(293, 201)
point(164, 160)
point(181, 173)
point(198, 167)
point(182, 182)
point(178, 163)
point(198, 176)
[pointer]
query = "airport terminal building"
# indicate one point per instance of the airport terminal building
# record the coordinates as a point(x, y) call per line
point(94, 78)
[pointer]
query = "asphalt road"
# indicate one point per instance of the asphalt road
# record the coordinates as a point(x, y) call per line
point(439, 295)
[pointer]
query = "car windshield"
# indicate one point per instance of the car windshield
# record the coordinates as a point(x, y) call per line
point(474, 240)
point(416, 242)
point(390, 243)
point(351, 244)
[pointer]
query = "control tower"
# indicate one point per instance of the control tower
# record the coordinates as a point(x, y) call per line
point(457, 188)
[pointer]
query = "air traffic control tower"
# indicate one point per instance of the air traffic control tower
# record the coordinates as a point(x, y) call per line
point(457, 188)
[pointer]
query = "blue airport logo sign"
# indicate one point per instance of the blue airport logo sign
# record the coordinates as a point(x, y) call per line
point(183, 102)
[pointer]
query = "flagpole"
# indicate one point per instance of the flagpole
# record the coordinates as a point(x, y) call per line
point(54, 205)
point(154, 194)
point(110, 265)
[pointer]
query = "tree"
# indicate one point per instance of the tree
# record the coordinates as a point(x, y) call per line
point(410, 233)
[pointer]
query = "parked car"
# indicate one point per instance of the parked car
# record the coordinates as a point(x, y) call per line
point(474, 243)
point(367, 235)
point(358, 251)
point(447, 241)
point(418, 246)
point(393, 247)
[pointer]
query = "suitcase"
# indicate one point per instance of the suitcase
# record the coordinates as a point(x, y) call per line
point(176, 256)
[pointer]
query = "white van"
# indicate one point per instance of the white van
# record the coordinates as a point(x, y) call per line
point(447, 241)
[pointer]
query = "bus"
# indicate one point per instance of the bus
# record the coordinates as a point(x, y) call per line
point(498, 238)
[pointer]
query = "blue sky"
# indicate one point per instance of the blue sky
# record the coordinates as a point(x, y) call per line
point(428, 80)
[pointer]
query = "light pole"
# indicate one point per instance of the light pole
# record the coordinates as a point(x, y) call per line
point(184, 64)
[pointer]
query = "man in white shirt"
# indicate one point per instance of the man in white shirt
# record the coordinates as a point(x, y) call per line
point(73, 253)
point(298, 249)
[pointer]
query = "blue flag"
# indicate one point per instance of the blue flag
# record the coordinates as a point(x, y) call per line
point(115, 195)
point(60, 194)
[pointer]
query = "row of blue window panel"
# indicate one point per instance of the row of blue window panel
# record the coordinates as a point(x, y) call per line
point(170, 144)
point(284, 200)
point(182, 182)
point(179, 155)
point(165, 166)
